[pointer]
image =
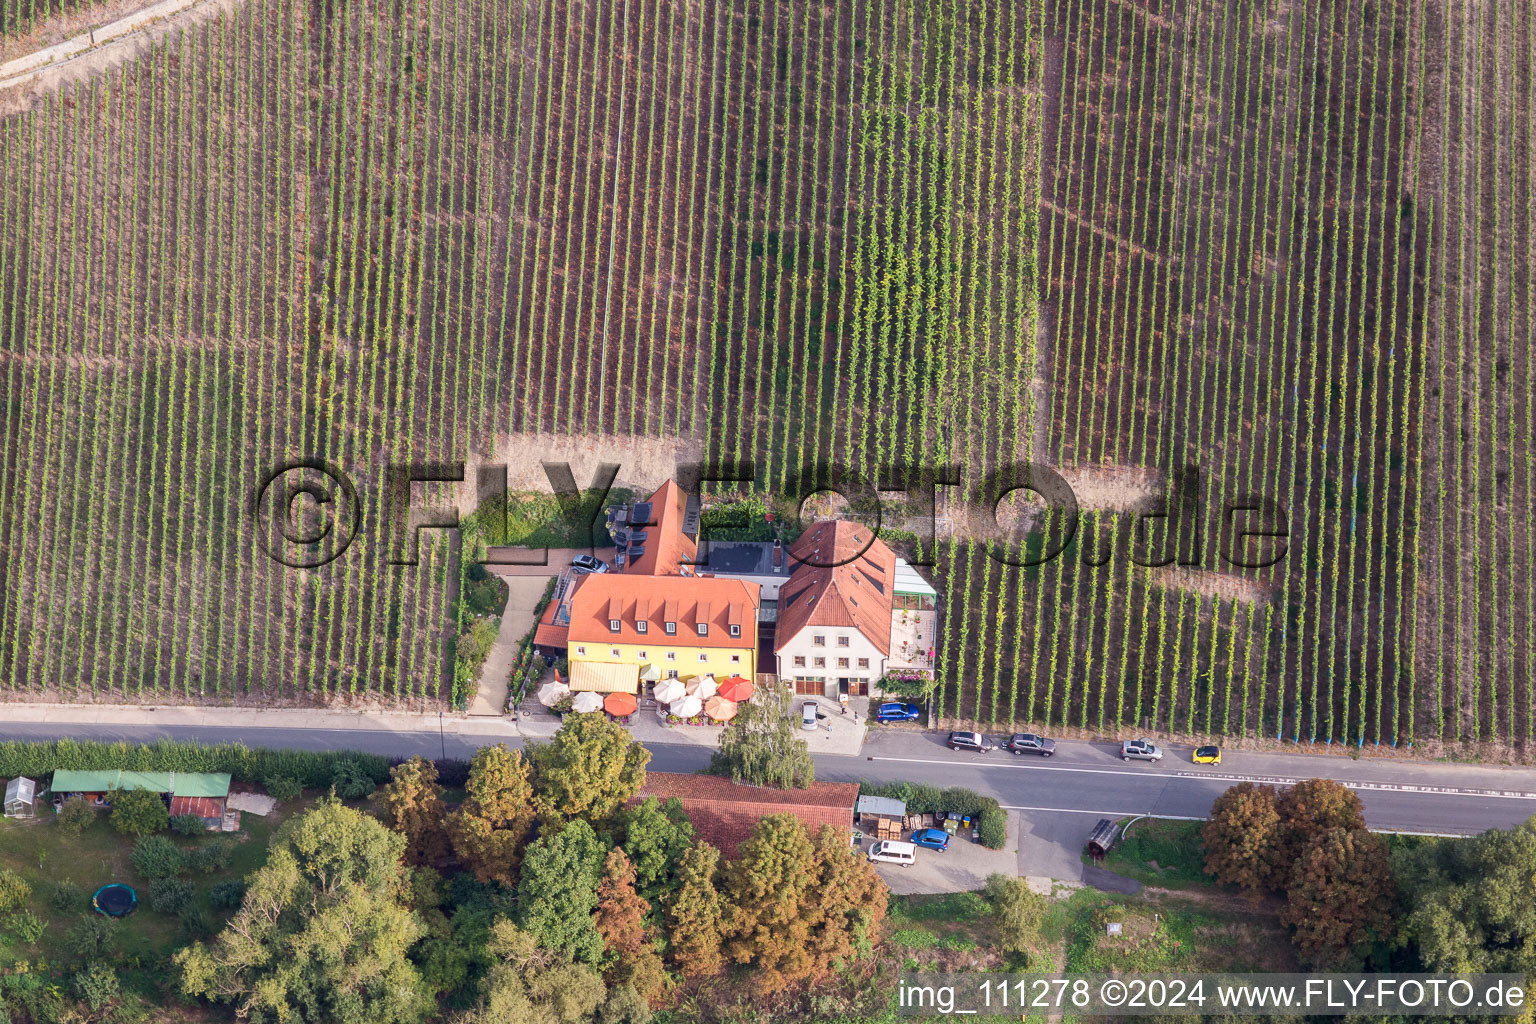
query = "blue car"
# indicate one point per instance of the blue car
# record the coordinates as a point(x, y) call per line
point(933, 838)
point(898, 713)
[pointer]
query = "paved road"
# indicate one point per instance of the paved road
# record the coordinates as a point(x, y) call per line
point(1081, 783)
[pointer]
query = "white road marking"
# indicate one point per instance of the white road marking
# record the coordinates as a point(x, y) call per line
point(1180, 817)
point(1276, 780)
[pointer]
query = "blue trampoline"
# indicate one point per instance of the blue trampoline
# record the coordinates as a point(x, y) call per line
point(115, 900)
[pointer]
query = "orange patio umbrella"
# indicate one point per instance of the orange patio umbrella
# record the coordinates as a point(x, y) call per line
point(736, 689)
point(619, 704)
point(720, 709)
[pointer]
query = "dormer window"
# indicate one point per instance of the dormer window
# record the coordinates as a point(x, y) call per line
point(613, 625)
point(641, 626)
point(703, 629)
point(735, 630)
point(671, 629)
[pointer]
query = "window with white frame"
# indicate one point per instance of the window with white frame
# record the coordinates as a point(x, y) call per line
point(818, 641)
point(703, 629)
point(581, 650)
point(671, 629)
point(671, 655)
point(799, 661)
point(863, 663)
point(842, 662)
point(613, 625)
point(821, 662)
point(735, 630)
point(641, 625)
point(613, 652)
point(842, 641)
point(735, 659)
point(703, 657)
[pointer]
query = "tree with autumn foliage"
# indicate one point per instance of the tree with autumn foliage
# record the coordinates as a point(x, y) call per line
point(770, 889)
point(1339, 899)
point(851, 899)
point(1307, 811)
point(1239, 838)
point(630, 944)
point(413, 806)
point(591, 767)
point(490, 828)
point(696, 915)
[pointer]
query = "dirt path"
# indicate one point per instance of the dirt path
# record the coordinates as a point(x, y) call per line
point(26, 79)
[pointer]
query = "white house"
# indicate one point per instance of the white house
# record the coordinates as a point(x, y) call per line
point(837, 612)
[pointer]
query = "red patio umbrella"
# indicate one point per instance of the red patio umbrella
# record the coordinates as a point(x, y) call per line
point(736, 689)
point(619, 704)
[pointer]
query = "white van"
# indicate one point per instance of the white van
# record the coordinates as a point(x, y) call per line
point(888, 851)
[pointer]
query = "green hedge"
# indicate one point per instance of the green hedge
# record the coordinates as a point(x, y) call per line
point(314, 769)
point(920, 798)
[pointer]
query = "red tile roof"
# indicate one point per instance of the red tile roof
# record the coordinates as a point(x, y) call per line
point(685, 600)
point(202, 806)
point(666, 547)
point(854, 592)
point(724, 812)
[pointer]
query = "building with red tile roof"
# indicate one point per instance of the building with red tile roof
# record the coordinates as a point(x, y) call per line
point(657, 541)
point(724, 812)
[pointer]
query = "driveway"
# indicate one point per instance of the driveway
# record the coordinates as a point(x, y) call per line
point(509, 563)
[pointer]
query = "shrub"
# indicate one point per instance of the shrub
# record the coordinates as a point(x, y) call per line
point(66, 895)
point(75, 816)
point(283, 788)
point(138, 812)
point(244, 764)
point(26, 926)
point(196, 924)
point(228, 893)
point(188, 825)
point(93, 937)
point(157, 857)
point(14, 891)
point(95, 985)
point(211, 857)
point(351, 780)
point(992, 830)
point(169, 895)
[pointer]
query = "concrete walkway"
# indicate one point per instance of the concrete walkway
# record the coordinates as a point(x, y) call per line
point(168, 716)
point(517, 619)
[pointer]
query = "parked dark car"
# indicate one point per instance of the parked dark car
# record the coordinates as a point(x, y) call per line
point(896, 712)
point(972, 741)
point(932, 838)
point(1029, 743)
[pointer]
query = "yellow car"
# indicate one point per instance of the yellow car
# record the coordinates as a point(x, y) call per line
point(1207, 755)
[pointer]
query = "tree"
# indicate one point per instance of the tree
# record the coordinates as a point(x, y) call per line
point(1017, 911)
point(620, 919)
point(322, 933)
point(489, 829)
point(529, 983)
point(770, 892)
point(350, 779)
point(1339, 899)
point(1472, 911)
point(95, 984)
point(656, 836)
point(157, 857)
point(762, 745)
point(188, 825)
point(413, 806)
point(14, 891)
point(1239, 838)
point(696, 915)
point(92, 937)
point(138, 812)
point(558, 891)
point(591, 767)
point(850, 904)
point(1307, 810)
point(75, 816)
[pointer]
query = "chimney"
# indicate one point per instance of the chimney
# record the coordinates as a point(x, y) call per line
point(778, 553)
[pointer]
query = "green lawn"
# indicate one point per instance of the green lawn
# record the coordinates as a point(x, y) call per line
point(39, 852)
point(1166, 854)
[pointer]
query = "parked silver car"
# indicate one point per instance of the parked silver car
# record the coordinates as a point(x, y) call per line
point(1141, 750)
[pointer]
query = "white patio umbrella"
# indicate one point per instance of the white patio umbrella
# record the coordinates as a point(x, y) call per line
point(586, 700)
point(550, 693)
point(687, 707)
point(669, 690)
point(702, 687)
point(651, 674)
